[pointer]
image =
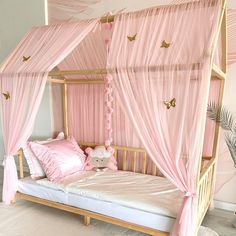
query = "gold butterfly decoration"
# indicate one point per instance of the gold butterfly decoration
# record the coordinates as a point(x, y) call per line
point(131, 38)
point(6, 95)
point(170, 103)
point(25, 58)
point(164, 44)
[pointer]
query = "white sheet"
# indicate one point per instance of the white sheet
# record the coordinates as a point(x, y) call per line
point(144, 192)
point(112, 209)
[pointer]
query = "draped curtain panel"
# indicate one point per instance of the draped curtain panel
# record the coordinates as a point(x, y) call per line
point(86, 101)
point(66, 10)
point(18, 115)
point(157, 63)
point(23, 76)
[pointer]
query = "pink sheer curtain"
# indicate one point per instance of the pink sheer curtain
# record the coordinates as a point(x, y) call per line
point(146, 72)
point(18, 115)
point(86, 101)
point(23, 76)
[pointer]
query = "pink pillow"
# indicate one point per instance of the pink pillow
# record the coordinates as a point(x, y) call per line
point(36, 170)
point(59, 158)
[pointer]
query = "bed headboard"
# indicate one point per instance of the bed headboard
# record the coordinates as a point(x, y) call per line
point(130, 159)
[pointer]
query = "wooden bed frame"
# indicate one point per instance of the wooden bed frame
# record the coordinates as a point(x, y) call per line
point(122, 153)
point(206, 170)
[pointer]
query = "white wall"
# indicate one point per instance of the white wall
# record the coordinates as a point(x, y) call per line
point(16, 18)
point(228, 191)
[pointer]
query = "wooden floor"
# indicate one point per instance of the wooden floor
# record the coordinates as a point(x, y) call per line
point(218, 220)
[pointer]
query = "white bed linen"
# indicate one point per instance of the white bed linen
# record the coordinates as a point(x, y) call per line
point(156, 218)
point(144, 192)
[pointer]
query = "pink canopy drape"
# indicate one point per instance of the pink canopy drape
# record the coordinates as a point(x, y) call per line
point(23, 76)
point(86, 101)
point(148, 72)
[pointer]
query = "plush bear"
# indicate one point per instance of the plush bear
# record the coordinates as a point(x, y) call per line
point(100, 158)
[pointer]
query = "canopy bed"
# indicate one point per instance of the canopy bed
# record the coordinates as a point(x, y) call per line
point(161, 65)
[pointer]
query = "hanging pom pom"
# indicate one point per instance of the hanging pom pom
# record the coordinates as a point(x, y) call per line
point(110, 149)
point(107, 143)
point(108, 109)
point(109, 78)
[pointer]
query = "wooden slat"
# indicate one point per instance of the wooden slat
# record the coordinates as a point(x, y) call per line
point(84, 81)
point(154, 169)
point(217, 72)
point(206, 169)
point(20, 159)
point(57, 81)
point(76, 81)
point(116, 155)
point(119, 148)
point(65, 110)
point(206, 158)
point(134, 161)
point(130, 149)
point(100, 71)
point(124, 161)
point(144, 163)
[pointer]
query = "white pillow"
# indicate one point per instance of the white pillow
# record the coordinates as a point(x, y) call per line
point(36, 171)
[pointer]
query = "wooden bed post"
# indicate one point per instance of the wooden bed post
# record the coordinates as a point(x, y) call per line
point(20, 163)
point(65, 109)
point(206, 175)
point(87, 220)
point(221, 92)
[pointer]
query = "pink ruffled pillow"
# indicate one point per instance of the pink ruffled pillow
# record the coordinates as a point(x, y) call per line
point(59, 158)
point(36, 170)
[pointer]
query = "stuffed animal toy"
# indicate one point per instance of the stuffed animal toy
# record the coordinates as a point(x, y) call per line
point(100, 158)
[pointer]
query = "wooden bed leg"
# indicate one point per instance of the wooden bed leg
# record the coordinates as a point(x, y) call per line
point(86, 220)
point(13, 201)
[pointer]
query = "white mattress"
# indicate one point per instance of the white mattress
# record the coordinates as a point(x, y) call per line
point(141, 199)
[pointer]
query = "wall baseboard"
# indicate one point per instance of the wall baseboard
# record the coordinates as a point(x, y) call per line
point(228, 206)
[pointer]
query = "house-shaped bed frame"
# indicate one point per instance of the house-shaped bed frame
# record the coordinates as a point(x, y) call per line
point(206, 169)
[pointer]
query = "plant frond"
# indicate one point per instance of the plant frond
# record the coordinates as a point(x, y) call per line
point(213, 112)
point(231, 143)
point(226, 119)
point(222, 116)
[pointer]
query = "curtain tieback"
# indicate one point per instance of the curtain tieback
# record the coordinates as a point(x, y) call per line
point(189, 194)
point(7, 157)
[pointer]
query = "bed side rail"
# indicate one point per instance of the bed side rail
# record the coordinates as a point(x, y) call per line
point(205, 190)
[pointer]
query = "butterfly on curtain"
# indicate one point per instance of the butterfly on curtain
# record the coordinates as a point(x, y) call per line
point(164, 44)
point(6, 95)
point(131, 38)
point(170, 103)
point(24, 58)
